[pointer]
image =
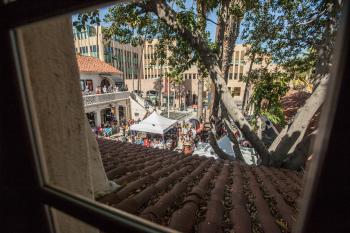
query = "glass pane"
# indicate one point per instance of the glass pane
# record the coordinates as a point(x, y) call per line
point(187, 165)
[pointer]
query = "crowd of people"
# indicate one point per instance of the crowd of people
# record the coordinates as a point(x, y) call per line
point(183, 136)
point(112, 127)
point(105, 89)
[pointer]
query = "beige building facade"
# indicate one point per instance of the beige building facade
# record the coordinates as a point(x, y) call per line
point(239, 68)
point(124, 57)
point(139, 73)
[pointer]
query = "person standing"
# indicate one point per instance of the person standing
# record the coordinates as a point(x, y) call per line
point(146, 142)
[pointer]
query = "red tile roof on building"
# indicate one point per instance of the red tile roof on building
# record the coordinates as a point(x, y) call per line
point(94, 65)
point(199, 194)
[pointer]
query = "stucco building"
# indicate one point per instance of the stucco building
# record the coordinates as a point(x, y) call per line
point(139, 73)
point(102, 103)
point(124, 57)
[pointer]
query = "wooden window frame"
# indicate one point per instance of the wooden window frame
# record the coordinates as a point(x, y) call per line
point(328, 177)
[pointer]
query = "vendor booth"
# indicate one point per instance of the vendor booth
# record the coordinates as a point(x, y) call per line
point(154, 124)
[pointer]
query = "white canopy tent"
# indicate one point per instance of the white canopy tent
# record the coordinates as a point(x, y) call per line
point(154, 123)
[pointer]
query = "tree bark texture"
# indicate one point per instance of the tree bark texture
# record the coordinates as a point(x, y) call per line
point(301, 153)
point(229, 42)
point(200, 98)
point(231, 135)
point(247, 87)
point(201, 11)
point(287, 140)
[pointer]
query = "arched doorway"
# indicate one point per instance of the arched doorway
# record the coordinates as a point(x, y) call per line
point(105, 83)
point(91, 118)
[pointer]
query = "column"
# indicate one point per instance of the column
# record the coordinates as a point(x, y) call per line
point(116, 113)
point(127, 111)
point(100, 44)
point(97, 118)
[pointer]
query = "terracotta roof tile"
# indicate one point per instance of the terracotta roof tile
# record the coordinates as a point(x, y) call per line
point(198, 194)
point(95, 65)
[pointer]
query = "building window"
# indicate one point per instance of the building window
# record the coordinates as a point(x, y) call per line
point(230, 76)
point(185, 76)
point(89, 84)
point(240, 76)
point(83, 50)
point(194, 76)
point(236, 91)
point(92, 31)
point(235, 76)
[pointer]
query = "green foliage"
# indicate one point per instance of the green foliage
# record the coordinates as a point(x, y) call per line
point(131, 24)
point(296, 33)
point(269, 87)
point(87, 18)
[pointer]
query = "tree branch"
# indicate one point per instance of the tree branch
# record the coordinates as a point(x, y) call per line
point(298, 158)
point(236, 148)
point(210, 60)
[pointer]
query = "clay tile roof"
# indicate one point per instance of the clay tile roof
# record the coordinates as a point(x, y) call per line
point(94, 65)
point(199, 194)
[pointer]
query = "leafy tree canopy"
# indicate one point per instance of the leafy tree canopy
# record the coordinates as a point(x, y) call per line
point(295, 34)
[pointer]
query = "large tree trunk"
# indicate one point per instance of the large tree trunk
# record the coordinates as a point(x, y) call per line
point(231, 135)
point(230, 36)
point(210, 60)
point(212, 98)
point(247, 87)
point(238, 118)
point(289, 138)
point(200, 98)
point(201, 11)
point(301, 153)
point(179, 96)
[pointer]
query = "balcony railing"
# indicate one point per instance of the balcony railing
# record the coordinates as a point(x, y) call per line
point(105, 98)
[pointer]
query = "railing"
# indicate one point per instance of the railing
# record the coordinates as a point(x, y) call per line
point(105, 98)
point(142, 101)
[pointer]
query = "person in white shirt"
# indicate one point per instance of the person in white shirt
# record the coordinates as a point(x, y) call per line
point(193, 133)
point(104, 89)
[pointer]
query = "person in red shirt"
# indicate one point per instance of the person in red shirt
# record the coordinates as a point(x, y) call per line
point(146, 142)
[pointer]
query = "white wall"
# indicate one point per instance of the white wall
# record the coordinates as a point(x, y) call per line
point(96, 80)
point(136, 108)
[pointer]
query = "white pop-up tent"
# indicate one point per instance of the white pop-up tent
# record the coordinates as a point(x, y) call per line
point(154, 123)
